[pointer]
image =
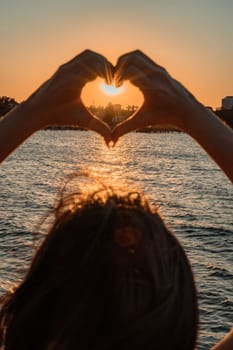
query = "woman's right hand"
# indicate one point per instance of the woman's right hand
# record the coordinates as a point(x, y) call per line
point(58, 101)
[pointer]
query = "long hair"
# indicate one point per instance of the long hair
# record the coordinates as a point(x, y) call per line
point(109, 275)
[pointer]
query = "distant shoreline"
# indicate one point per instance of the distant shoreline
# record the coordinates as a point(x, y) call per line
point(148, 130)
point(225, 115)
point(112, 118)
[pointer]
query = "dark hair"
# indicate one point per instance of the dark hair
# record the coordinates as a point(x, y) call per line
point(109, 275)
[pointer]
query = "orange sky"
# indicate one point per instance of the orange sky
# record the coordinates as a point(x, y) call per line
point(193, 40)
point(93, 95)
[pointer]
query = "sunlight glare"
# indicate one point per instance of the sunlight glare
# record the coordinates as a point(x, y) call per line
point(111, 90)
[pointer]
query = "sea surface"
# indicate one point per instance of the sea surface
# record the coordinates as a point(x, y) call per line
point(194, 196)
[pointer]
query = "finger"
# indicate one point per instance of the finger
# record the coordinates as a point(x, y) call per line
point(100, 127)
point(139, 60)
point(138, 78)
point(91, 64)
point(134, 58)
point(88, 121)
point(86, 67)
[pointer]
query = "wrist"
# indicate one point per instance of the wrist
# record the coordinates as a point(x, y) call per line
point(195, 118)
point(15, 128)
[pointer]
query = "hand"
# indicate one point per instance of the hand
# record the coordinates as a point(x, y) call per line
point(58, 102)
point(168, 104)
point(166, 101)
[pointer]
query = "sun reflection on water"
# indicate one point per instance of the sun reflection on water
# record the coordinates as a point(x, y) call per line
point(108, 163)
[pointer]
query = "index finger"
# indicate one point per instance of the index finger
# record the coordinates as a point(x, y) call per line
point(140, 61)
point(133, 55)
point(92, 65)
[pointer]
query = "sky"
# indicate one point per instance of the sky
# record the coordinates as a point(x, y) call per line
point(191, 39)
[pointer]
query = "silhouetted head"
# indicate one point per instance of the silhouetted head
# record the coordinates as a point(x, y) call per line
point(109, 275)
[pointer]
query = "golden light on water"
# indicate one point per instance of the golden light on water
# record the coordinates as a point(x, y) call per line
point(111, 90)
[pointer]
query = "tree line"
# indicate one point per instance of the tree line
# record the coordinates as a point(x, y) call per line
point(6, 104)
point(113, 114)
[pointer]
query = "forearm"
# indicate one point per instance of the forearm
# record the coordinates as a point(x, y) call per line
point(15, 128)
point(214, 136)
point(226, 343)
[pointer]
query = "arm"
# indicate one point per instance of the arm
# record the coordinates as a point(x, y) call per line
point(56, 102)
point(168, 104)
point(226, 343)
point(214, 136)
point(15, 128)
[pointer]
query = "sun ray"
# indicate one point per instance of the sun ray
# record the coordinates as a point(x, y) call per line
point(109, 74)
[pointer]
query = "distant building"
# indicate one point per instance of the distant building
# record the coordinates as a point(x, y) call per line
point(117, 108)
point(227, 103)
point(117, 119)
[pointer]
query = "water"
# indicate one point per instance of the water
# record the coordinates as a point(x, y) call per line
point(194, 196)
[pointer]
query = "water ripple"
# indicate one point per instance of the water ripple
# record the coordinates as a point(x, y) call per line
point(193, 195)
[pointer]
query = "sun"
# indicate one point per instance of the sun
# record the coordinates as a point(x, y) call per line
point(111, 90)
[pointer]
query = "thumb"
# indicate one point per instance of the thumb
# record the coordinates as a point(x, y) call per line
point(79, 115)
point(100, 127)
point(137, 121)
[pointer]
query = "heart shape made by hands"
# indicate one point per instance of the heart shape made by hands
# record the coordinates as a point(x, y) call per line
point(111, 104)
